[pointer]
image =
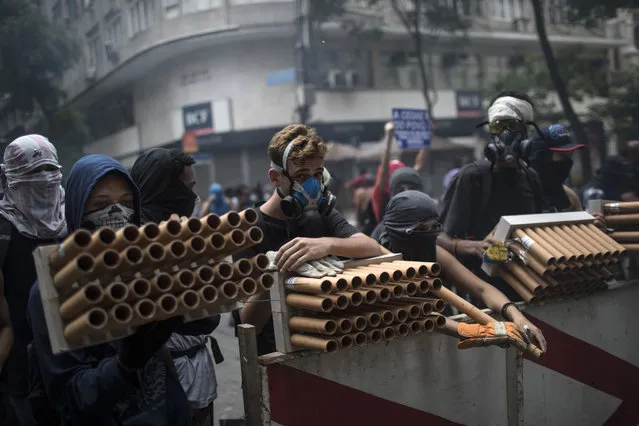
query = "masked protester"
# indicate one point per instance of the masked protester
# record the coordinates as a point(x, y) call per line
point(550, 154)
point(298, 220)
point(166, 180)
point(31, 214)
point(498, 185)
point(411, 228)
point(124, 382)
point(216, 203)
point(195, 366)
point(402, 179)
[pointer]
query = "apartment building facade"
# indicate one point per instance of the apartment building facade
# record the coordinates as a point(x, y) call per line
point(220, 72)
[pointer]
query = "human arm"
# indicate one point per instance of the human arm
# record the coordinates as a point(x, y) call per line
point(301, 250)
point(457, 274)
point(84, 390)
point(575, 203)
point(204, 210)
point(380, 193)
point(420, 159)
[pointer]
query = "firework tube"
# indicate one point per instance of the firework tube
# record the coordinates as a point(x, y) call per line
point(73, 245)
point(313, 325)
point(314, 343)
point(311, 303)
point(139, 289)
point(81, 301)
point(266, 281)
point(89, 323)
point(160, 284)
point(210, 224)
point(149, 233)
point(76, 271)
point(170, 230)
point(248, 218)
point(143, 311)
point(208, 295)
point(534, 248)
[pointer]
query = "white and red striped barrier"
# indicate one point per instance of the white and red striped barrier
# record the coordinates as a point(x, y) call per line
point(590, 376)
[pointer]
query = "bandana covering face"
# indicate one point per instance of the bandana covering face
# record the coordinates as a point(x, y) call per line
point(403, 232)
point(33, 201)
point(114, 216)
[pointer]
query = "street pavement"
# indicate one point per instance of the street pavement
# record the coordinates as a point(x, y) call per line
point(229, 403)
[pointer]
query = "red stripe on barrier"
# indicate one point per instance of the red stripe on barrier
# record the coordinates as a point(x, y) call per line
point(593, 367)
point(302, 399)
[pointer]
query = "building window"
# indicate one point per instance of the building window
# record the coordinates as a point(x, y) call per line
point(518, 8)
point(142, 15)
point(113, 32)
point(111, 115)
point(94, 46)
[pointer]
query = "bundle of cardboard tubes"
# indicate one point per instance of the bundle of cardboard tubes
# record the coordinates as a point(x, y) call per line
point(623, 219)
point(111, 282)
point(560, 259)
point(365, 304)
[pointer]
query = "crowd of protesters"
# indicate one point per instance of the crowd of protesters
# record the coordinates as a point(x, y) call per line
point(164, 374)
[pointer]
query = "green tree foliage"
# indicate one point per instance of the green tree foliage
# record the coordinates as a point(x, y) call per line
point(584, 71)
point(34, 54)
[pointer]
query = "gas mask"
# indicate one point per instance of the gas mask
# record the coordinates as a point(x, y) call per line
point(308, 196)
point(113, 216)
point(507, 136)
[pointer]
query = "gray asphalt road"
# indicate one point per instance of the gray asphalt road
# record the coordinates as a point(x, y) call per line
point(228, 404)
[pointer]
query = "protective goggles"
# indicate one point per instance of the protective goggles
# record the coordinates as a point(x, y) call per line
point(513, 126)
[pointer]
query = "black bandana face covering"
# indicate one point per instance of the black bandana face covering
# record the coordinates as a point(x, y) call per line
point(419, 245)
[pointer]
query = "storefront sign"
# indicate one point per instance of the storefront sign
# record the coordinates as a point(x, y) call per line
point(198, 117)
point(469, 103)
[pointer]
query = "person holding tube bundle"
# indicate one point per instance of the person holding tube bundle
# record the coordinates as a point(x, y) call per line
point(165, 179)
point(499, 185)
point(299, 223)
point(129, 381)
point(411, 228)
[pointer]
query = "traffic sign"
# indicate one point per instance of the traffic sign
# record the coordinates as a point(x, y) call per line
point(412, 127)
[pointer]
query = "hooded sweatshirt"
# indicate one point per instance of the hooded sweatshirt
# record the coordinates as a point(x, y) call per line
point(218, 204)
point(163, 193)
point(86, 384)
point(153, 171)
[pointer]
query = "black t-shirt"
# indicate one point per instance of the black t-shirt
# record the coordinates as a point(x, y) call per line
point(511, 193)
point(279, 232)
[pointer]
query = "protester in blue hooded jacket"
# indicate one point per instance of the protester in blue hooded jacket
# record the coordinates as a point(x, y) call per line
point(127, 382)
point(216, 202)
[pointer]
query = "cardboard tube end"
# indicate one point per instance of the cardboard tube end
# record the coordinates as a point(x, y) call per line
point(327, 305)
point(345, 342)
point(440, 322)
point(437, 284)
point(151, 231)
point(208, 294)
point(233, 219)
point(356, 282)
point(341, 302)
point(375, 336)
point(261, 261)
point(416, 327)
point(118, 292)
point(332, 346)
point(359, 323)
point(388, 333)
point(205, 274)
point(97, 318)
point(255, 235)
point(267, 281)
point(330, 327)
point(141, 288)
point(429, 325)
point(345, 325)
point(81, 238)
point(370, 297)
point(249, 286)
point(194, 225)
point(356, 299)
point(374, 319)
point(229, 290)
point(359, 339)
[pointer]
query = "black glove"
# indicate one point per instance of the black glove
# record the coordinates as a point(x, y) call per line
point(138, 348)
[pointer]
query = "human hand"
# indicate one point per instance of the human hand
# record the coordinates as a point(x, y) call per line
point(502, 334)
point(473, 248)
point(136, 350)
point(531, 331)
point(389, 128)
point(600, 222)
point(301, 250)
point(177, 217)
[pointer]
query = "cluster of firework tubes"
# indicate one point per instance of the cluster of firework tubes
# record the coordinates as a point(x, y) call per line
point(110, 282)
point(623, 219)
point(364, 304)
point(560, 259)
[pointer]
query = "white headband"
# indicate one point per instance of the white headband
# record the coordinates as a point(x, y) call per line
point(287, 151)
point(510, 108)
